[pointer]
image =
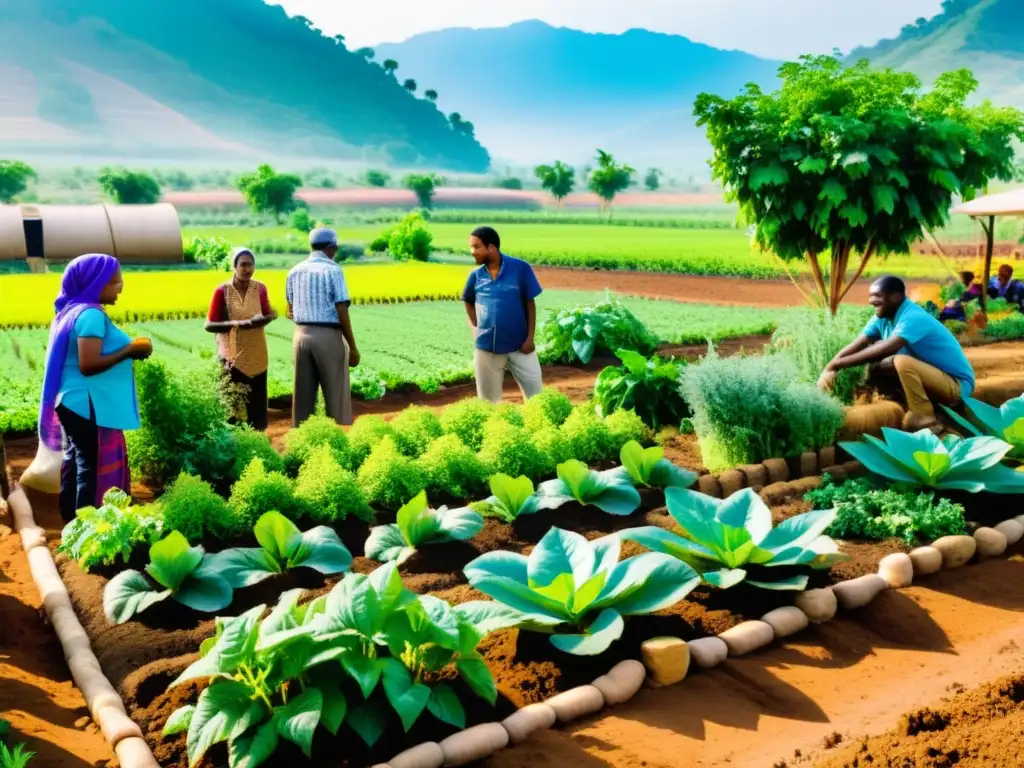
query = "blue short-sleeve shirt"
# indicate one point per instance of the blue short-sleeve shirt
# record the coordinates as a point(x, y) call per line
point(501, 304)
point(927, 340)
point(112, 392)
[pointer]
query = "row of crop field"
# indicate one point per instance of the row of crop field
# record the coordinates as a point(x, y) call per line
point(426, 344)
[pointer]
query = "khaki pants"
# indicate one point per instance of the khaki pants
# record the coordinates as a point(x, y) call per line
point(924, 384)
point(490, 374)
point(321, 362)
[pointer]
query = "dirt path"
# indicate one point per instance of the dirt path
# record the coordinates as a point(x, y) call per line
point(37, 696)
point(852, 676)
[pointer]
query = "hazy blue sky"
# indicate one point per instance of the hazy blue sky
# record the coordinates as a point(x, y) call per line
point(772, 28)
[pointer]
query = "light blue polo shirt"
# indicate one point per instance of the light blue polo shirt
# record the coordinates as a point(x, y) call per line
point(927, 340)
point(112, 392)
point(501, 304)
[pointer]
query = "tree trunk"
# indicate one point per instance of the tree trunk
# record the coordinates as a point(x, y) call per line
point(5, 487)
point(990, 242)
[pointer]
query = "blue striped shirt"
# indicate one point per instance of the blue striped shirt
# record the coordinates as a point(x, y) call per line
point(313, 288)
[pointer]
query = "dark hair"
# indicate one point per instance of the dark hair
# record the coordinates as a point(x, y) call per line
point(967, 276)
point(890, 284)
point(242, 253)
point(488, 236)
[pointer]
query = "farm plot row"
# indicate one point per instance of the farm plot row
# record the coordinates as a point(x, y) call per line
point(424, 344)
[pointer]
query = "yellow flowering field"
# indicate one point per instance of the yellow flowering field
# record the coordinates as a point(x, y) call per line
point(27, 300)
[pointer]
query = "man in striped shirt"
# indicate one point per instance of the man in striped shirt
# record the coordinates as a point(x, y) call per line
point(323, 347)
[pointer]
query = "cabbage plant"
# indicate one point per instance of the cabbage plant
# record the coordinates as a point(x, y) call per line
point(100, 536)
point(576, 589)
point(649, 467)
point(416, 525)
point(610, 492)
point(724, 537)
point(282, 547)
point(184, 572)
point(922, 459)
point(510, 497)
point(1005, 422)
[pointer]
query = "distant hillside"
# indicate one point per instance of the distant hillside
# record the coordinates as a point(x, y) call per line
point(535, 92)
point(985, 36)
point(193, 78)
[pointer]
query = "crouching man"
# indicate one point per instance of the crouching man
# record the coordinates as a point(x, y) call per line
point(905, 343)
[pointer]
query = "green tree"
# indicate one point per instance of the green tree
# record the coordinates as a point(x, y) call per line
point(128, 187)
point(849, 159)
point(390, 66)
point(340, 40)
point(424, 185)
point(302, 221)
point(430, 94)
point(377, 178)
point(653, 180)
point(609, 178)
point(269, 192)
point(410, 85)
point(14, 178)
point(366, 53)
point(558, 179)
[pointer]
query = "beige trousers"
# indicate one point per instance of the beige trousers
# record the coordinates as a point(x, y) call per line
point(321, 362)
point(924, 384)
point(490, 374)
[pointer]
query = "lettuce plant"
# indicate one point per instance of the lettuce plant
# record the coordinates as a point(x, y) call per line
point(922, 459)
point(510, 497)
point(282, 547)
point(588, 435)
point(508, 448)
point(576, 334)
point(258, 491)
point(363, 437)
point(453, 469)
point(313, 433)
point(416, 525)
point(414, 429)
point(185, 574)
point(327, 492)
point(652, 388)
point(724, 537)
point(579, 586)
point(390, 478)
point(100, 536)
point(1005, 422)
point(611, 492)
point(549, 408)
point(466, 420)
point(648, 466)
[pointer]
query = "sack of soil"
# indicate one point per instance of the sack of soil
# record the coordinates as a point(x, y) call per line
point(43, 474)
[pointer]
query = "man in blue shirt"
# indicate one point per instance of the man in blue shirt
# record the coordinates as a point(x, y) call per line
point(500, 303)
point(928, 360)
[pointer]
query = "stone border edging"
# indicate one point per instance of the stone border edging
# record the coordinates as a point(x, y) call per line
point(105, 706)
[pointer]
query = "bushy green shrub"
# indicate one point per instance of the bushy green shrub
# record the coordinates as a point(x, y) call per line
point(549, 408)
point(363, 437)
point(686, 426)
point(249, 445)
point(259, 490)
point(193, 508)
point(625, 426)
point(554, 445)
point(650, 387)
point(312, 433)
point(466, 420)
point(588, 435)
point(748, 409)
point(866, 511)
point(388, 477)
point(414, 429)
point(1006, 329)
point(327, 492)
point(509, 449)
point(454, 469)
point(411, 239)
point(510, 414)
point(579, 333)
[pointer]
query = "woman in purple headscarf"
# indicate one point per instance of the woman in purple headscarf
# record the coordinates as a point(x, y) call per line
point(89, 385)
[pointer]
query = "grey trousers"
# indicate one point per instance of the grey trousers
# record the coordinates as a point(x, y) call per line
point(321, 362)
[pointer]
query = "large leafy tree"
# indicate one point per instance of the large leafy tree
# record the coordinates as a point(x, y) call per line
point(129, 187)
point(850, 160)
point(14, 178)
point(609, 178)
point(558, 179)
point(423, 185)
point(390, 66)
point(267, 191)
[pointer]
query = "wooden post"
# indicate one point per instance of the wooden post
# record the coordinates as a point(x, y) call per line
point(990, 235)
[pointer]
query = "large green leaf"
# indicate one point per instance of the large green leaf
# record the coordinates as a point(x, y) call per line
point(217, 712)
point(278, 535)
point(659, 540)
point(444, 704)
point(179, 720)
point(885, 198)
point(386, 543)
point(320, 549)
point(515, 494)
point(665, 474)
point(815, 165)
point(244, 566)
point(602, 632)
point(235, 640)
point(129, 593)
point(364, 670)
point(561, 552)
point(773, 175)
point(933, 465)
point(647, 583)
point(407, 697)
point(577, 478)
point(254, 747)
point(297, 720)
point(172, 560)
point(854, 214)
point(488, 615)
point(369, 720)
point(833, 191)
point(459, 524)
point(205, 590)
point(477, 675)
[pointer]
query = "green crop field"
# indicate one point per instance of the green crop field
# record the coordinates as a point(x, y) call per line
point(426, 344)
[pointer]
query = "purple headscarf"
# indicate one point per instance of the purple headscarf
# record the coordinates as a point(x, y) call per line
point(80, 289)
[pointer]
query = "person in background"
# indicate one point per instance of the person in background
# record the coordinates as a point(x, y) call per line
point(89, 385)
point(500, 297)
point(1003, 286)
point(903, 338)
point(324, 347)
point(954, 309)
point(239, 312)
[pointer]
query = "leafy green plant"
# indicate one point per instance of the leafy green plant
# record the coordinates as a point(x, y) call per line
point(17, 756)
point(588, 435)
point(549, 408)
point(423, 185)
point(578, 586)
point(865, 511)
point(1005, 423)
point(725, 538)
point(411, 239)
point(650, 387)
point(509, 449)
point(466, 420)
point(212, 251)
point(555, 446)
point(510, 497)
point(267, 191)
point(100, 536)
point(1008, 328)
point(185, 574)
point(417, 525)
point(326, 492)
point(366, 433)
point(923, 460)
point(282, 547)
point(258, 491)
point(389, 478)
point(625, 426)
point(686, 427)
point(193, 508)
point(250, 444)
point(126, 187)
point(610, 492)
point(649, 467)
point(312, 433)
point(579, 333)
point(453, 469)
point(414, 429)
